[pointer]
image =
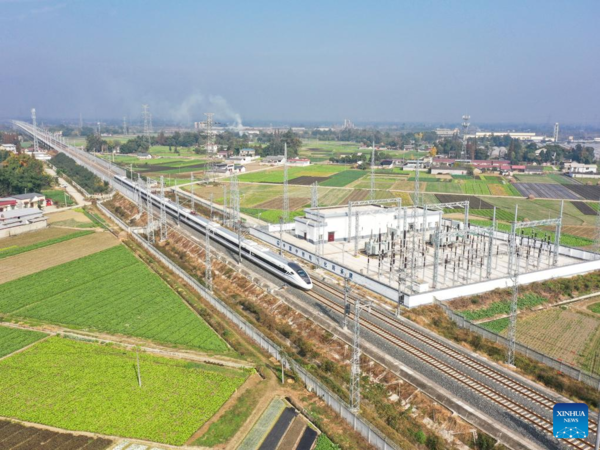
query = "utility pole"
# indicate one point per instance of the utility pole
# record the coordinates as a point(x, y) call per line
point(465, 127)
point(372, 190)
point(149, 222)
point(281, 235)
point(347, 290)
point(355, 371)
point(139, 374)
point(286, 200)
point(417, 199)
point(192, 191)
point(597, 243)
point(163, 211)
point(283, 359)
point(513, 264)
point(80, 121)
point(125, 125)
point(314, 195)
point(207, 260)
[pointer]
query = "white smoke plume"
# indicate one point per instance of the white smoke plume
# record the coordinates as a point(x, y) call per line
point(192, 109)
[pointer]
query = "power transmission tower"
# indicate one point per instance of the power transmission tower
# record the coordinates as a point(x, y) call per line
point(465, 127)
point(147, 122)
point(225, 209)
point(372, 191)
point(80, 121)
point(513, 270)
point(556, 132)
point(211, 147)
point(163, 211)
point(207, 260)
point(314, 195)
point(355, 370)
point(150, 219)
point(125, 125)
point(35, 139)
point(417, 199)
point(98, 129)
point(234, 195)
point(286, 200)
point(347, 290)
point(192, 192)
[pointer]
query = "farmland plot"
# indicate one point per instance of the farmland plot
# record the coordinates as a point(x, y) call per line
point(111, 291)
point(474, 202)
point(541, 190)
point(15, 250)
point(587, 192)
point(584, 208)
point(91, 387)
point(26, 239)
point(13, 339)
point(54, 255)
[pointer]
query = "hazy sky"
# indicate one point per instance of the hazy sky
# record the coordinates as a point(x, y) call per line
point(404, 61)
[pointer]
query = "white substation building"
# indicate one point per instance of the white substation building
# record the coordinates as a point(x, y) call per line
point(331, 224)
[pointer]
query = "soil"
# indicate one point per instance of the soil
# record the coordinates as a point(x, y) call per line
point(23, 240)
point(37, 260)
point(307, 180)
point(277, 203)
point(68, 215)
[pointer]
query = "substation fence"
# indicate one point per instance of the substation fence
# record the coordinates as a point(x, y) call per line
point(373, 435)
point(561, 366)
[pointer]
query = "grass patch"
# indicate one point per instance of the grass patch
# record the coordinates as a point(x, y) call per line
point(110, 291)
point(12, 251)
point(230, 422)
point(269, 215)
point(324, 443)
point(526, 301)
point(13, 339)
point(496, 326)
point(58, 197)
point(91, 387)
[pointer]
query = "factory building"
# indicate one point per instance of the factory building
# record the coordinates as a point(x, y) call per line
point(331, 224)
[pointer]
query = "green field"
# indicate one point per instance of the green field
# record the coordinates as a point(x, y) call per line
point(526, 301)
point(13, 339)
point(443, 187)
point(92, 387)
point(276, 175)
point(344, 178)
point(110, 291)
point(15, 250)
point(58, 197)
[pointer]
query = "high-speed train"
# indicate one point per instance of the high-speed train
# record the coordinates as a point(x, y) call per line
point(288, 271)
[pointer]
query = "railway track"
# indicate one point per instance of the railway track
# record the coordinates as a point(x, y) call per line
point(496, 397)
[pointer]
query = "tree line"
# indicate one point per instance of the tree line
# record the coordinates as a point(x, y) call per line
point(21, 173)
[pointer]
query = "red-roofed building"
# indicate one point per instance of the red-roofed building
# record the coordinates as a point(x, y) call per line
point(7, 204)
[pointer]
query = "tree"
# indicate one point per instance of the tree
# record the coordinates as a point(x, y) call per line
point(136, 145)
point(94, 143)
point(20, 174)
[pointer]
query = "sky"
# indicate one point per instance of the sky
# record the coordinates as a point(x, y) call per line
point(398, 61)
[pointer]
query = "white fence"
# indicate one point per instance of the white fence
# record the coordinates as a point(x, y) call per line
point(561, 366)
point(362, 426)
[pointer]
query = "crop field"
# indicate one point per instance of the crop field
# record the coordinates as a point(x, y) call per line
point(14, 436)
point(110, 291)
point(526, 301)
point(15, 250)
point(92, 387)
point(13, 339)
point(26, 239)
point(380, 183)
point(36, 260)
point(585, 191)
point(543, 209)
point(541, 190)
point(277, 203)
point(474, 202)
point(475, 187)
point(307, 181)
point(561, 334)
point(442, 186)
point(344, 178)
point(561, 178)
point(276, 175)
point(536, 179)
point(584, 208)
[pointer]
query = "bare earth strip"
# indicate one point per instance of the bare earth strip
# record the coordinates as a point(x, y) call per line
point(23, 240)
point(277, 203)
point(67, 215)
point(36, 260)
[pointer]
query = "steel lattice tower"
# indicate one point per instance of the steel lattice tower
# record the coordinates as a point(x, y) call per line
point(556, 132)
point(355, 370)
point(417, 199)
point(286, 200)
point(314, 195)
point(35, 139)
point(147, 122)
point(125, 125)
point(163, 211)
point(207, 260)
point(210, 135)
point(513, 270)
point(465, 127)
point(234, 195)
point(149, 212)
point(372, 191)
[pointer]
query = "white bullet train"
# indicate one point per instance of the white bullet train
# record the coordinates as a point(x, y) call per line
point(288, 271)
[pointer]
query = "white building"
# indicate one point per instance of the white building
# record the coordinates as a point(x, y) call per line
point(446, 132)
point(19, 221)
point(274, 160)
point(9, 148)
point(241, 159)
point(331, 224)
point(514, 135)
point(299, 162)
point(574, 168)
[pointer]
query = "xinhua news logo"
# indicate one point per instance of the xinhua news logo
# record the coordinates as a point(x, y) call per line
point(570, 420)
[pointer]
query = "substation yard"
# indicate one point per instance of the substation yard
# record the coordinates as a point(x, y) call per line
point(513, 402)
